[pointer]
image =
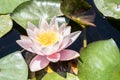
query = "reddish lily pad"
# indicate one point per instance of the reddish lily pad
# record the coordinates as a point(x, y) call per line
point(78, 11)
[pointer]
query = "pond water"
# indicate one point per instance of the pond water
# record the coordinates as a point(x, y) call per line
point(103, 30)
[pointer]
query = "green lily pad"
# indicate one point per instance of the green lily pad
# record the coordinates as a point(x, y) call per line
point(99, 61)
point(55, 76)
point(116, 73)
point(79, 11)
point(109, 8)
point(7, 6)
point(33, 10)
point(71, 77)
point(5, 24)
point(13, 67)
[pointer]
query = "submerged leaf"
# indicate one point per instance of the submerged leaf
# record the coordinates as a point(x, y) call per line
point(5, 24)
point(110, 8)
point(78, 11)
point(99, 61)
point(7, 6)
point(33, 10)
point(13, 67)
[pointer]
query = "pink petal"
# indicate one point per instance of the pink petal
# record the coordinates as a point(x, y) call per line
point(53, 21)
point(43, 25)
point(73, 37)
point(37, 49)
point(51, 49)
point(54, 57)
point(64, 43)
point(22, 37)
point(30, 33)
point(54, 24)
point(68, 40)
point(31, 26)
point(55, 28)
point(68, 55)
point(67, 30)
point(62, 27)
point(36, 32)
point(38, 63)
point(26, 44)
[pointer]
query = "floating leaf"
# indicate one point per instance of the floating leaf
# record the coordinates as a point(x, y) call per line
point(7, 6)
point(5, 24)
point(116, 73)
point(33, 10)
point(78, 11)
point(71, 77)
point(99, 61)
point(55, 76)
point(13, 67)
point(110, 8)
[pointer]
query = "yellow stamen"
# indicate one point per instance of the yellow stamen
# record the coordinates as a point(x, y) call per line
point(47, 38)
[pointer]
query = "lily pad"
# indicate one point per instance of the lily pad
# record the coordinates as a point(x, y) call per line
point(5, 24)
point(99, 61)
point(71, 77)
point(79, 11)
point(109, 8)
point(7, 6)
point(55, 76)
point(33, 10)
point(116, 73)
point(13, 67)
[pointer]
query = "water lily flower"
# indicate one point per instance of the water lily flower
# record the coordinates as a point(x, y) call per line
point(49, 42)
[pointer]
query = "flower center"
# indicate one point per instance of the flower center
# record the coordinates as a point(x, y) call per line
point(47, 38)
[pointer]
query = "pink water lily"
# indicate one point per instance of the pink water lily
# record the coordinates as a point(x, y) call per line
point(49, 42)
